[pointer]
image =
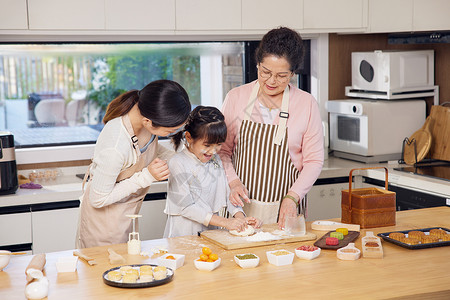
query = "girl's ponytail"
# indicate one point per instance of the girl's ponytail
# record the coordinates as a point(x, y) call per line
point(176, 139)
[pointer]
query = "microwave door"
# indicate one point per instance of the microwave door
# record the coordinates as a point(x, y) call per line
point(349, 133)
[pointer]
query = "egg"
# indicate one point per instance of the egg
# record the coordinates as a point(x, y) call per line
point(37, 289)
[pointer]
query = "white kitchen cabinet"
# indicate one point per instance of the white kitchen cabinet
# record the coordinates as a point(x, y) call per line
point(390, 16)
point(335, 16)
point(54, 230)
point(15, 229)
point(267, 14)
point(208, 15)
point(67, 14)
point(140, 14)
point(153, 221)
point(13, 14)
point(431, 15)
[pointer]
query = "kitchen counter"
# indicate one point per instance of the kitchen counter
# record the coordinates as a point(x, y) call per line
point(68, 187)
point(408, 274)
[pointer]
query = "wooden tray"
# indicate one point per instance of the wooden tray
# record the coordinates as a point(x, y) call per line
point(385, 236)
point(350, 237)
point(227, 241)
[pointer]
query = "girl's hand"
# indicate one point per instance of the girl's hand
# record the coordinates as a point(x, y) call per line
point(288, 209)
point(238, 224)
point(238, 192)
point(159, 169)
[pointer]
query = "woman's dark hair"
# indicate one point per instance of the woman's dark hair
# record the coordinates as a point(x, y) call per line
point(282, 42)
point(204, 122)
point(164, 102)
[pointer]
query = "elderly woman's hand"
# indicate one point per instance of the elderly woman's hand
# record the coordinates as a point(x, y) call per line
point(238, 192)
point(288, 209)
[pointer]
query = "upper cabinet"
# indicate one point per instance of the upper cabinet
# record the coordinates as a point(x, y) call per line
point(390, 16)
point(335, 16)
point(66, 14)
point(408, 15)
point(208, 15)
point(234, 17)
point(431, 15)
point(267, 14)
point(13, 14)
point(140, 14)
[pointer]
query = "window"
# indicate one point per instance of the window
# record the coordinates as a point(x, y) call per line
point(56, 94)
point(53, 95)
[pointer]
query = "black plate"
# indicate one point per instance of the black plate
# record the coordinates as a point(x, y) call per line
point(137, 284)
point(385, 236)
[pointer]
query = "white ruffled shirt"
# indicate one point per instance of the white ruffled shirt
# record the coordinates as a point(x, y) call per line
point(195, 192)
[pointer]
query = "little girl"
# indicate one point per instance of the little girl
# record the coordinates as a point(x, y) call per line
point(198, 188)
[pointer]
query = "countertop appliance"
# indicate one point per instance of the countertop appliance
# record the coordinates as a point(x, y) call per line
point(372, 130)
point(387, 71)
point(8, 169)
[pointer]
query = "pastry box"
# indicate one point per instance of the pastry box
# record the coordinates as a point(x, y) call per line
point(368, 207)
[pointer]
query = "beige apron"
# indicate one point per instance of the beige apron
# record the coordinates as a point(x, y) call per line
point(262, 162)
point(109, 225)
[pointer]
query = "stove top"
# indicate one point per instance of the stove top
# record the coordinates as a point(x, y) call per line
point(439, 170)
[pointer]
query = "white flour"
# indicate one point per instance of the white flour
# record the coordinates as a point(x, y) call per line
point(262, 237)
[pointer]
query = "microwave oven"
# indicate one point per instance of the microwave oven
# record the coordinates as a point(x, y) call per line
point(373, 130)
point(387, 71)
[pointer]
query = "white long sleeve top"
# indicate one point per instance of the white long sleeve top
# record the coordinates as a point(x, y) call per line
point(197, 190)
point(114, 153)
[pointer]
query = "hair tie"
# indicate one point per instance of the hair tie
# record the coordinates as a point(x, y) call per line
point(139, 93)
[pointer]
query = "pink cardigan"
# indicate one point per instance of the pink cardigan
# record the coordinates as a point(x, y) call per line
point(305, 133)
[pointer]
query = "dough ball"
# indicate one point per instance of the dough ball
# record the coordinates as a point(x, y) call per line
point(246, 232)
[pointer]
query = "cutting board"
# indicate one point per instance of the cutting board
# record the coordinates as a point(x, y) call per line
point(224, 239)
point(440, 131)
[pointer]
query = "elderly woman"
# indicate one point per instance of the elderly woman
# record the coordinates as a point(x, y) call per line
point(273, 153)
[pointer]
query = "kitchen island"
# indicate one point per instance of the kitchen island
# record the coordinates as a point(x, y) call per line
point(408, 274)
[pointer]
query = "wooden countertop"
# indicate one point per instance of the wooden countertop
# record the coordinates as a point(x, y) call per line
point(401, 273)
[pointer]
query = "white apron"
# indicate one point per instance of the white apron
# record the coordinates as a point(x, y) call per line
point(262, 162)
point(109, 225)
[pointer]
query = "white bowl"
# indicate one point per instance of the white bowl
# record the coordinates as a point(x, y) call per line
point(67, 264)
point(247, 263)
point(206, 266)
point(172, 263)
point(5, 256)
point(280, 260)
point(303, 254)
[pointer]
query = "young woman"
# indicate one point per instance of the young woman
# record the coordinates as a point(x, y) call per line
point(274, 150)
point(127, 159)
point(198, 188)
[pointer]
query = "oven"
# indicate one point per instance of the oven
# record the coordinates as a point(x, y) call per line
point(420, 186)
point(409, 198)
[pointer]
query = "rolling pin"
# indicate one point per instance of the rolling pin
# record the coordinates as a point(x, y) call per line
point(37, 263)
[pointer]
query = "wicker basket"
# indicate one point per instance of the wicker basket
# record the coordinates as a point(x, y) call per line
point(368, 207)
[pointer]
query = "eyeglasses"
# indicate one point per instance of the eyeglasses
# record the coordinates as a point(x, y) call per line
point(281, 77)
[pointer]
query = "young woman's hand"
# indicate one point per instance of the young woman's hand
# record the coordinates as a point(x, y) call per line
point(238, 224)
point(238, 192)
point(159, 169)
